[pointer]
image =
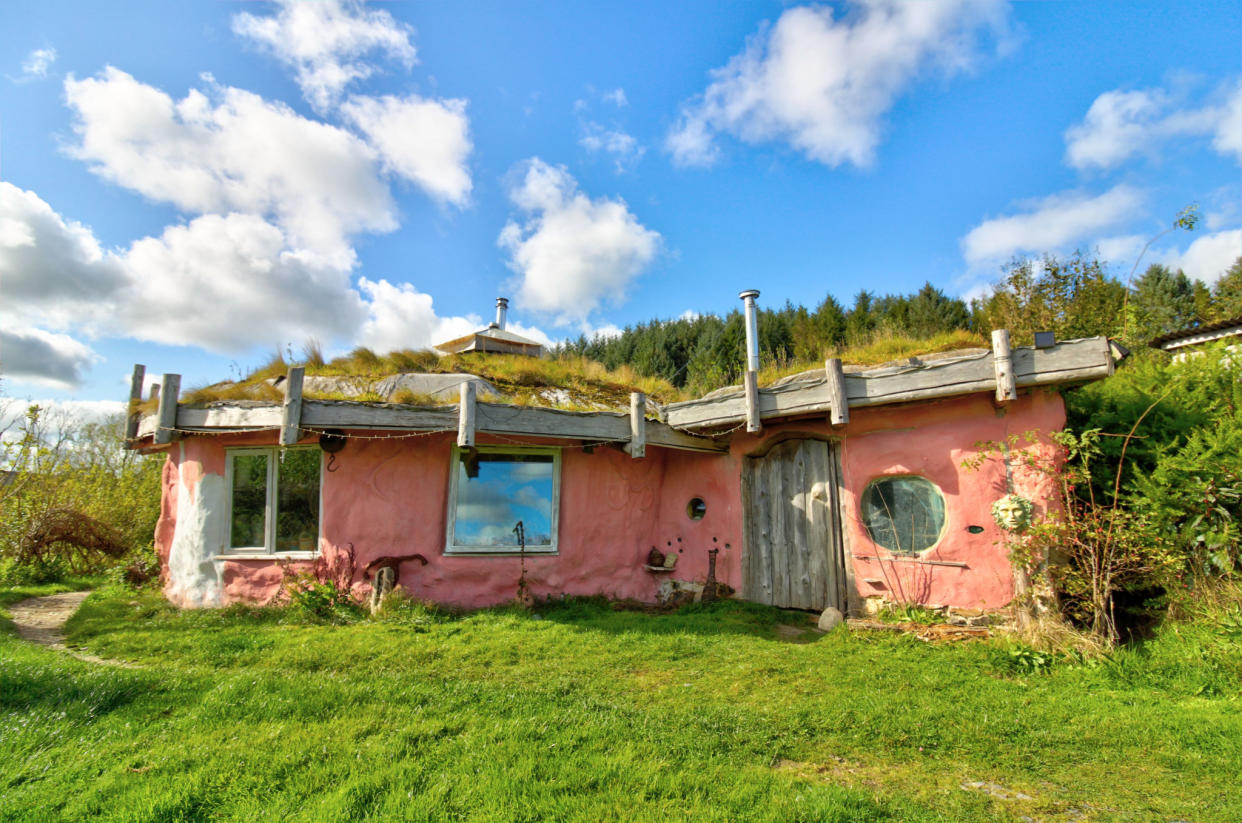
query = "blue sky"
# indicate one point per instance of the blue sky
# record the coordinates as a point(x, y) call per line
point(194, 185)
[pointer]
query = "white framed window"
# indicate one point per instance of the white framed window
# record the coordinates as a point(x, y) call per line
point(493, 489)
point(273, 500)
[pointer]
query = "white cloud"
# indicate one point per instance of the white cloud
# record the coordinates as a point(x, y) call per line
point(1207, 257)
point(49, 265)
point(1121, 249)
point(824, 83)
point(45, 359)
point(228, 283)
point(572, 253)
point(401, 317)
point(1050, 224)
point(1121, 124)
point(325, 41)
point(424, 141)
point(624, 148)
point(36, 64)
point(242, 153)
point(616, 97)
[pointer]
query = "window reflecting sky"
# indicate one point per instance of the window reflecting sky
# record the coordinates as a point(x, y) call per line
point(507, 488)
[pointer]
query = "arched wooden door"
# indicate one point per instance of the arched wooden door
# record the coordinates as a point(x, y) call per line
point(792, 555)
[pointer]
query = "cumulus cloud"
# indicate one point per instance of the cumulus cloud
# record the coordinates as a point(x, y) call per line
point(239, 153)
point(424, 141)
point(1121, 124)
point(228, 283)
point(36, 64)
point(624, 148)
point(36, 356)
point(222, 282)
point(823, 83)
point(1050, 223)
point(50, 265)
point(401, 317)
point(571, 253)
point(1208, 256)
point(325, 42)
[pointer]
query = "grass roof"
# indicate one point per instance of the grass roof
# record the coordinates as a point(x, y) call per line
point(576, 382)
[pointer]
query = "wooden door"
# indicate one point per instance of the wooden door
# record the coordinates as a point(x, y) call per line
point(793, 556)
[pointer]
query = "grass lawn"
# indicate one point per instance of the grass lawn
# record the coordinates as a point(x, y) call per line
point(580, 712)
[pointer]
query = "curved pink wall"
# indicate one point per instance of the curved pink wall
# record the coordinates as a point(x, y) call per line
point(390, 497)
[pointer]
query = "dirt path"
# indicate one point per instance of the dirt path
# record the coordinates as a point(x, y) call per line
point(40, 620)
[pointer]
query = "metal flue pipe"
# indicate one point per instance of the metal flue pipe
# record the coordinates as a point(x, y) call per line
point(502, 308)
point(752, 329)
point(751, 378)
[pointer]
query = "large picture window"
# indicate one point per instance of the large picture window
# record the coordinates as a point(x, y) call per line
point(493, 489)
point(903, 514)
point(273, 500)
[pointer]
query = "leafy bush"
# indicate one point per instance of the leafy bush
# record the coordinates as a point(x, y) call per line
point(73, 500)
point(1182, 472)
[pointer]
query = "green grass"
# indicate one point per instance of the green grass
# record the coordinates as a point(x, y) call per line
point(587, 713)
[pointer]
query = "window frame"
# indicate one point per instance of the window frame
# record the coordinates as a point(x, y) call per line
point(271, 506)
point(451, 548)
point(862, 515)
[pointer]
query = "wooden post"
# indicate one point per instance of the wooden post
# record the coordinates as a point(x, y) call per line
point(839, 410)
point(170, 389)
point(153, 393)
point(465, 416)
point(638, 425)
point(291, 410)
point(1002, 361)
point(135, 397)
point(753, 423)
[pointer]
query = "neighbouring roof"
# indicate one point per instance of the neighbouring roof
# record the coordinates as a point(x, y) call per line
point(1230, 327)
point(492, 339)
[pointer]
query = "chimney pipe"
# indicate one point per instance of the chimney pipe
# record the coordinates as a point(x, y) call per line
point(752, 330)
point(502, 307)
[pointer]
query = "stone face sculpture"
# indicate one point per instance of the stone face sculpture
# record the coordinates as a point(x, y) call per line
point(1013, 513)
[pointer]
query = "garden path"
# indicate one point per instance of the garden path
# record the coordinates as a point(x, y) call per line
point(40, 620)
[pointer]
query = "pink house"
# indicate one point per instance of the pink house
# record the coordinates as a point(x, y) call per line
point(826, 490)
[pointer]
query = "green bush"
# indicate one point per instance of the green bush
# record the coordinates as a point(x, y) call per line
point(1182, 473)
point(74, 501)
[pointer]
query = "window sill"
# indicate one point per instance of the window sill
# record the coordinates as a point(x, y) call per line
point(475, 552)
point(311, 555)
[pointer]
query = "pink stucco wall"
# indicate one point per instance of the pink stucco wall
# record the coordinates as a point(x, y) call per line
point(390, 497)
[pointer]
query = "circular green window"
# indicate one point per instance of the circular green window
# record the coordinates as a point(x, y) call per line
point(903, 514)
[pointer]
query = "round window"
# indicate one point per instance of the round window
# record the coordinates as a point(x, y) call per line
point(903, 514)
point(696, 508)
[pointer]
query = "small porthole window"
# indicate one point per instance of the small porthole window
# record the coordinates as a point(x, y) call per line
point(696, 508)
point(903, 514)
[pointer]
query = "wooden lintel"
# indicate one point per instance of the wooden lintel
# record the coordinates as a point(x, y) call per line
point(135, 397)
point(751, 392)
point(166, 417)
point(291, 408)
point(834, 379)
point(638, 425)
point(1002, 364)
point(465, 415)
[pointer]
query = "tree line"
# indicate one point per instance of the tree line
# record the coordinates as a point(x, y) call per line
point(1073, 296)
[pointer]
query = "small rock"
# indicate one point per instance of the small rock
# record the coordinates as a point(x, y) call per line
point(830, 619)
